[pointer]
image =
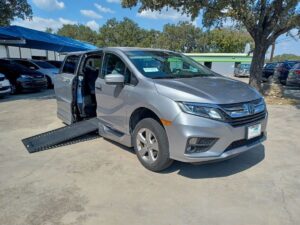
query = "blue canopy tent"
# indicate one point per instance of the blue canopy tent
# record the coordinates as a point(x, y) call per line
point(28, 38)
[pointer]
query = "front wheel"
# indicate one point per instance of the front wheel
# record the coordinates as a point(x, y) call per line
point(151, 145)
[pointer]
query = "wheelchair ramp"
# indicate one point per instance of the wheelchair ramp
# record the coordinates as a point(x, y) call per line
point(77, 132)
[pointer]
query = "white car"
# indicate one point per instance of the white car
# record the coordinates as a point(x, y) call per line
point(5, 87)
point(41, 66)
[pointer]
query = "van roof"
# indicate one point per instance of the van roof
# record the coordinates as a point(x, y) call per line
point(123, 49)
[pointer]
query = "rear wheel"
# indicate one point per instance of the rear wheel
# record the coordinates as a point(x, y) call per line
point(151, 145)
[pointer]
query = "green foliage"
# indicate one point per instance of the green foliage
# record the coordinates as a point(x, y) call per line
point(284, 57)
point(228, 40)
point(273, 17)
point(79, 32)
point(49, 30)
point(124, 33)
point(10, 9)
point(183, 37)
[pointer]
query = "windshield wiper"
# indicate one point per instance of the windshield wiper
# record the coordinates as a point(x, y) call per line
point(165, 77)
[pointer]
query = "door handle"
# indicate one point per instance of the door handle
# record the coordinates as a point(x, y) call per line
point(99, 88)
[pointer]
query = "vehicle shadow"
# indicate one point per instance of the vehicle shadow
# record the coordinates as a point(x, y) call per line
point(219, 169)
point(212, 170)
point(36, 95)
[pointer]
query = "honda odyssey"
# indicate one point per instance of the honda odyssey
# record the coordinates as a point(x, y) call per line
point(162, 103)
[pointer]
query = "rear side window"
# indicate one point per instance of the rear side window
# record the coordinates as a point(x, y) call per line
point(270, 65)
point(27, 64)
point(291, 64)
point(71, 64)
point(297, 66)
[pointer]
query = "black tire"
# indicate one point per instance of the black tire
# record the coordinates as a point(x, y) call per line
point(163, 156)
point(49, 83)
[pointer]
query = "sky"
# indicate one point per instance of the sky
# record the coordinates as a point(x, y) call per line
point(94, 13)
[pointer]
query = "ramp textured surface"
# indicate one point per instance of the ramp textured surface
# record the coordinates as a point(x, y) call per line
point(60, 136)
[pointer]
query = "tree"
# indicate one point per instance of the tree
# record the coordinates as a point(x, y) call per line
point(284, 57)
point(184, 37)
point(265, 20)
point(228, 40)
point(149, 39)
point(78, 32)
point(49, 30)
point(10, 9)
point(123, 33)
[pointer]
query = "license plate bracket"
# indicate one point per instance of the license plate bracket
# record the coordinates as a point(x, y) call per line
point(253, 131)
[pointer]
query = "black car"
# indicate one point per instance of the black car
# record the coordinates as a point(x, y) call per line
point(57, 64)
point(268, 70)
point(294, 76)
point(282, 70)
point(22, 78)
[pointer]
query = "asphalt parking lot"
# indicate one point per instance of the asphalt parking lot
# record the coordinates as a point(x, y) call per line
point(99, 182)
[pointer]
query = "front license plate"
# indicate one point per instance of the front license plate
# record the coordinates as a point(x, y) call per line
point(254, 131)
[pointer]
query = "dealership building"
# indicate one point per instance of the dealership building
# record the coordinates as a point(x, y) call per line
point(223, 63)
point(7, 51)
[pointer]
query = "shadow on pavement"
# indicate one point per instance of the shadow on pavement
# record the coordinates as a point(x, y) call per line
point(37, 95)
point(211, 170)
point(219, 169)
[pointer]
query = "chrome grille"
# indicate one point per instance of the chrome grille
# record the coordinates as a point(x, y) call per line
point(240, 114)
point(236, 122)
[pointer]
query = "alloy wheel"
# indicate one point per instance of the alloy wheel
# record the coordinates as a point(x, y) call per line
point(147, 145)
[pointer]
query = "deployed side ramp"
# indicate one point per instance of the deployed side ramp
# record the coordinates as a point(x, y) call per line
point(72, 133)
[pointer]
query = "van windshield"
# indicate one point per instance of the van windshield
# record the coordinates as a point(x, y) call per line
point(166, 65)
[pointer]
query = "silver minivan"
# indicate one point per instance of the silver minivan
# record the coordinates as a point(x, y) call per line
point(162, 103)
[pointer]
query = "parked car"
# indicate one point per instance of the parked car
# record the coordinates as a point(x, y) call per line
point(162, 103)
point(4, 85)
point(268, 70)
point(41, 66)
point(57, 64)
point(294, 76)
point(242, 70)
point(21, 78)
point(282, 70)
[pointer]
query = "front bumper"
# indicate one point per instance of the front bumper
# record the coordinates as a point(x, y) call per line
point(30, 84)
point(293, 81)
point(186, 126)
point(4, 87)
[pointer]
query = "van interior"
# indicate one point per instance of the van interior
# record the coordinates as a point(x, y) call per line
point(85, 105)
point(85, 94)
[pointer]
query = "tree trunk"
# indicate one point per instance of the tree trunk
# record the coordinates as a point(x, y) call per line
point(271, 88)
point(272, 52)
point(257, 64)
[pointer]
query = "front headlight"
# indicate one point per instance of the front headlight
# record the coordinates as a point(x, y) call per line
point(26, 77)
point(204, 110)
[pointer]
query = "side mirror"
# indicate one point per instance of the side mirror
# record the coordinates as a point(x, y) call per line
point(114, 79)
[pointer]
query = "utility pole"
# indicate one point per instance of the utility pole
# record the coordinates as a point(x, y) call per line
point(272, 51)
